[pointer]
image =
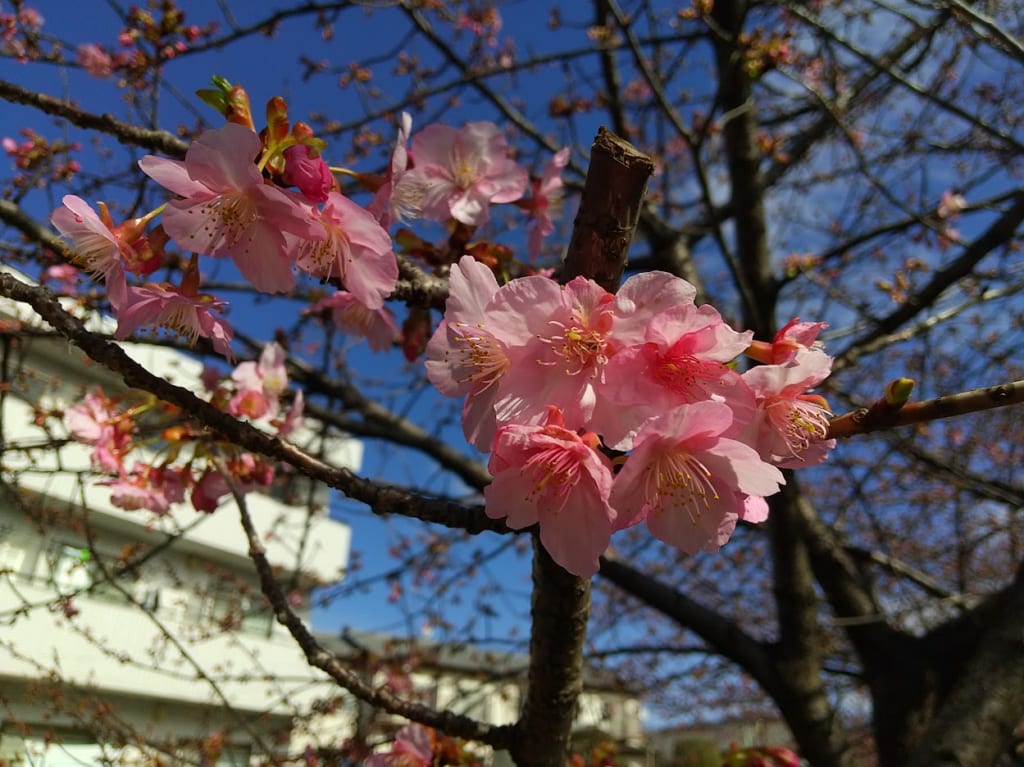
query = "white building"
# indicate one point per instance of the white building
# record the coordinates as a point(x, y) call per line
point(174, 656)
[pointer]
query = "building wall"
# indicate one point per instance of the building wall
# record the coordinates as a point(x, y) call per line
point(174, 652)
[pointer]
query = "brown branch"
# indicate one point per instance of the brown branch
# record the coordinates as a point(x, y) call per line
point(318, 657)
point(381, 499)
point(975, 720)
point(126, 133)
point(1001, 232)
point(559, 614)
point(609, 211)
point(866, 419)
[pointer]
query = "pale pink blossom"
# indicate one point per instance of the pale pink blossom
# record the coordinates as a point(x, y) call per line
point(94, 60)
point(229, 210)
point(559, 340)
point(643, 297)
point(168, 307)
point(353, 248)
point(461, 172)
point(259, 384)
point(790, 428)
point(377, 326)
point(550, 476)
point(395, 201)
point(688, 481)
point(96, 421)
point(96, 247)
point(413, 747)
point(310, 174)
point(547, 196)
point(951, 204)
point(793, 337)
point(65, 278)
point(147, 487)
point(683, 360)
point(467, 355)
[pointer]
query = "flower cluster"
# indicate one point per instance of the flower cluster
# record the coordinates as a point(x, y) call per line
point(556, 378)
point(186, 460)
point(269, 202)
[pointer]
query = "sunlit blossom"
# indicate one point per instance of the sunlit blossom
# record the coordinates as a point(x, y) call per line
point(791, 426)
point(688, 482)
point(166, 306)
point(467, 355)
point(228, 210)
point(552, 477)
point(353, 248)
point(395, 199)
point(96, 247)
point(460, 172)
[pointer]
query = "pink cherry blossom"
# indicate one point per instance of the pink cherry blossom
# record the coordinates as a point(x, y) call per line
point(94, 60)
point(950, 205)
point(96, 421)
point(413, 747)
point(168, 307)
point(377, 326)
point(460, 172)
point(147, 487)
point(642, 298)
point(209, 490)
point(396, 200)
point(96, 247)
point(552, 477)
point(683, 360)
point(559, 340)
point(228, 210)
point(467, 355)
point(689, 482)
point(353, 248)
point(310, 174)
point(791, 427)
point(259, 385)
point(547, 195)
point(793, 337)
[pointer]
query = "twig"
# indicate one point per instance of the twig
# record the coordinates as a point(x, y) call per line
point(865, 420)
point(380, 697)
point(382, 499)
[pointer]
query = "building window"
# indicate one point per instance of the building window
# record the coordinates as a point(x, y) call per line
point(76, 569)
point(238, 609)
point(64, 751)
point(73, 568)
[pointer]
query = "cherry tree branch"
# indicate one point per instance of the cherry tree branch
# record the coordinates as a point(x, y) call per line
point(382, 499)
point(126, 133)
point(318, 657)
point(879, 417)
